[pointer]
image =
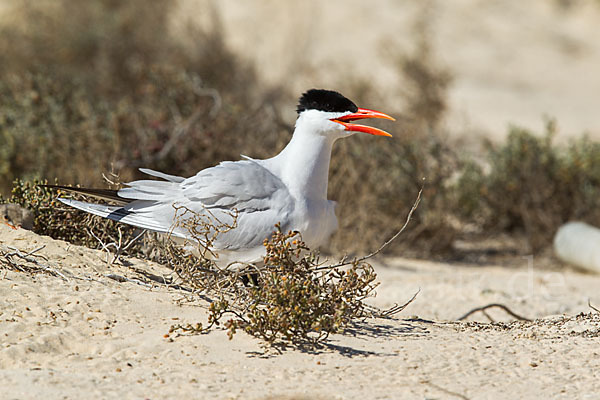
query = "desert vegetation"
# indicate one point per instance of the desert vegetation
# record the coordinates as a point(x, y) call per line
point(456, 227)
point(113, 91)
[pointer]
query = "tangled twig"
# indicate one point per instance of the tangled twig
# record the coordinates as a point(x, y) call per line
point(395, 309)
point(119, 246)
point(9, 258)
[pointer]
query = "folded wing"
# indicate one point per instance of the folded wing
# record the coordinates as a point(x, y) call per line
point(246, 189)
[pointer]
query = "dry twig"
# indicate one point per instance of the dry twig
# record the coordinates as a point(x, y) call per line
point(9, 258)
point(396, 308)
point(592, 307)
point(119, 246)
point(358, 260)
point(492, 305)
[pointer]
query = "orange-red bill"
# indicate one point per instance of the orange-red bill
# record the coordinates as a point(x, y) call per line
point(363, 113)
point(363, 128)
point(9, 224)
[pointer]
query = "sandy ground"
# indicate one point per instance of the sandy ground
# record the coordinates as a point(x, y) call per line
point(513, 62)
point(80, 333)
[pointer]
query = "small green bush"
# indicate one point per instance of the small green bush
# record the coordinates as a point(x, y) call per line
point(532, 185)
point(112, 89)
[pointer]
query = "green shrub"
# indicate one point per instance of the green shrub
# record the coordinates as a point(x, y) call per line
point(532, 185)
point(113, 90)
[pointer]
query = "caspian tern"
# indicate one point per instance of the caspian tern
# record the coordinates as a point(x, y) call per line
point(290, 188)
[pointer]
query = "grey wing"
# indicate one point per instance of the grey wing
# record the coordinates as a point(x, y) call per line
point(258, 198)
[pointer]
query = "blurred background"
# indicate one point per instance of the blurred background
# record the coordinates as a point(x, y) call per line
point(497, 105)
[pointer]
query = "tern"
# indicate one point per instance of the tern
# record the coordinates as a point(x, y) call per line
point(250, 195)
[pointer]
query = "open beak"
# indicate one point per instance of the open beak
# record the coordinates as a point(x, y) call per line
point(363, 113)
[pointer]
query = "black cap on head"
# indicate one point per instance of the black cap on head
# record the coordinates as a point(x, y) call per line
point(325, 100)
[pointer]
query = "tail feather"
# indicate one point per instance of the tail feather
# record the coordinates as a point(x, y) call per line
point(143, 203)
point(102, 194)
point(121, 214)
point(148, 190)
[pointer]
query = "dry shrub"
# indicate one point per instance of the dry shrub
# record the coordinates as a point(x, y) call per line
point(292, 299)
point(532, 185)
point(378, 184)
point(103, 84)
point(112, 89)
point(54, 219)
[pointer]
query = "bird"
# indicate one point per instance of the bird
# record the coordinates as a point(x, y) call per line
point(16, 216)
point(250, 196)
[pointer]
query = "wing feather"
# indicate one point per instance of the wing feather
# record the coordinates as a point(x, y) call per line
point(162, 175)
point(120, 214)
point(248, 189)
point(260, 199)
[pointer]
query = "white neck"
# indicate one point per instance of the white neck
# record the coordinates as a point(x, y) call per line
point(303, 165)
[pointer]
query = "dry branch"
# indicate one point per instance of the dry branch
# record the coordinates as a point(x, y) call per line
point(16, 260)
point(396, 308)
point(592, 307)
point(492, 305)
point(119, 246)
point(358, 260)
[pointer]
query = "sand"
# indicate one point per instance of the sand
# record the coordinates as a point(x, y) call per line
point(74, 332)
